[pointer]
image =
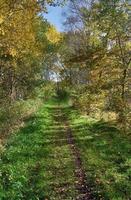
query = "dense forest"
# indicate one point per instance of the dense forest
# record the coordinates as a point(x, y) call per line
point(65, 100)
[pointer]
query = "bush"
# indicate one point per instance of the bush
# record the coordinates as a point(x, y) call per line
point(12, 115)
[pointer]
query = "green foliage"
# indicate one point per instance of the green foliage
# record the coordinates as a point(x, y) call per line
point(11, 116)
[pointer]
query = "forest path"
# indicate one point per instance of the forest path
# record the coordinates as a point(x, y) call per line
point(41, 161)
point(84, 192)
point(61, 155)
point(83, 189)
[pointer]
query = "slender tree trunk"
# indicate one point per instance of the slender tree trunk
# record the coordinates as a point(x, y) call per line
point(122, 114)
point(12, 87)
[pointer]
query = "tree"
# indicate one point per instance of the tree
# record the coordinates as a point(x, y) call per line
point(98, 40)
point(25, 41)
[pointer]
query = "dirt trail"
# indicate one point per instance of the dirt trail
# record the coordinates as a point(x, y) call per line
point(82, 187)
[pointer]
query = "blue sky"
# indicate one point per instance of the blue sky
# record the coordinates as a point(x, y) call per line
point(54, 16)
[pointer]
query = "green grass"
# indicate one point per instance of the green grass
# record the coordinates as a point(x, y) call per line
point(106, 157)
point(37, 162)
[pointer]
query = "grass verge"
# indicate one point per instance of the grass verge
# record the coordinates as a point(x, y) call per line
point(105, 153)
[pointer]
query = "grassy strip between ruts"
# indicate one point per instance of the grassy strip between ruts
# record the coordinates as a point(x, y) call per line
point(37, 163)
point(105, 152)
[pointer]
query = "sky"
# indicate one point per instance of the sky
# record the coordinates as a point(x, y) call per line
point(55, 17)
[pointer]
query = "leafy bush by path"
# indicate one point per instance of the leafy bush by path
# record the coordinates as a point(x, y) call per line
point(11, 116)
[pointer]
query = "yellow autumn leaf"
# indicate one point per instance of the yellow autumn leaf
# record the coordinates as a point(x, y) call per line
point(2, 31)
point(1, 19)
point(128, 44)
point(53, 35)
point(13, 52)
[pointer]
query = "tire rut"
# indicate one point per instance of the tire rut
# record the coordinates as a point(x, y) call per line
point(83, 188)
